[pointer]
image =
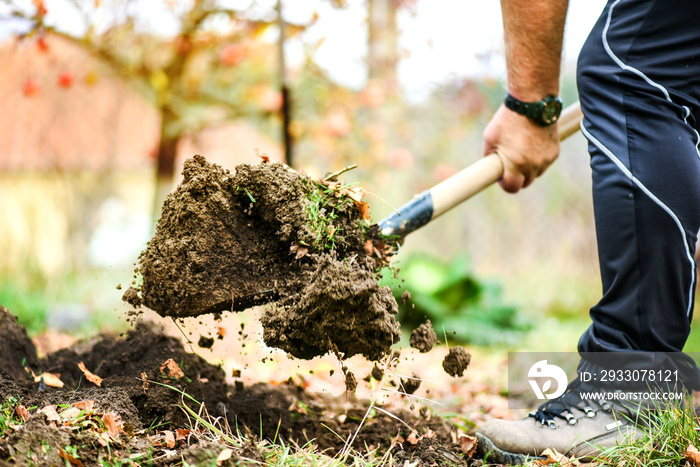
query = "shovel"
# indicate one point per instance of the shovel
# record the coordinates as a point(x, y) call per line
point(432, 203)
point(227, 241)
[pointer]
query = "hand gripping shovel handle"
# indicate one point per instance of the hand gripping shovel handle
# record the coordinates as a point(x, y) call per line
point(447, 194)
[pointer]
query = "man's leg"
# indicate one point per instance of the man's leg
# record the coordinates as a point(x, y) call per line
point(639, 76)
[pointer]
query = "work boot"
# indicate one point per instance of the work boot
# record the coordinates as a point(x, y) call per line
point(572, 426)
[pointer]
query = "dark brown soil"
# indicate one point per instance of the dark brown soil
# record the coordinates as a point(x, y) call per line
point(423, 338)
point(16, 349)
point(456, 361)
point(137, 390)
point(267, 234)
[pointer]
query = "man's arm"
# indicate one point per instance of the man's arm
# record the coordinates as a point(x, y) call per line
point(534, 31)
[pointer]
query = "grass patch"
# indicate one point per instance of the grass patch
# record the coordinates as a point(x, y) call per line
point(672, 435)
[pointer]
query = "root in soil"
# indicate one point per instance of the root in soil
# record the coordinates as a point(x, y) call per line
point(269, 235)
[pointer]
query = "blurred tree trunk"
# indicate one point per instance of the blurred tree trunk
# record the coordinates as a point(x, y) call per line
point(383, 55)
point(165, 160)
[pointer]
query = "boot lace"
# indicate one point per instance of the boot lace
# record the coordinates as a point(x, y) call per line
point(562, 405)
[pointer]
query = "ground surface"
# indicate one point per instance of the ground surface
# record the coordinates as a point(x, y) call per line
point(137, 411)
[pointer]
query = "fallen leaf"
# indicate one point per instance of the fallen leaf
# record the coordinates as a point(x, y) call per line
point(51, 414)
point(221, 331)
point(172, 369)
point(50, 379)
point(413, 438)
point(93, 378)
point(87, 406)
point(265, 158)
point(554, 457)
point(364, 210)
point(70, 413)
point(468, 444)
point(112, 423)
point(369, 247)
point(355, 193)
point(169, 439)
point(64, 455)
point(22, 412)
point(182, 434)
point(692, 455)
point(223, 456)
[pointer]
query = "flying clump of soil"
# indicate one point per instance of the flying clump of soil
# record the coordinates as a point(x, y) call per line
point(456, 361)
point(266, 234)
point(423, 338)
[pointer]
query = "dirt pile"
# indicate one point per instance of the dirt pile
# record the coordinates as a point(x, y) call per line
point(267, 234)
point(137, 410)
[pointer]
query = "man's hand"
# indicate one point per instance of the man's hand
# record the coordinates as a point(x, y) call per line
point(533, 34)
point(525, 148)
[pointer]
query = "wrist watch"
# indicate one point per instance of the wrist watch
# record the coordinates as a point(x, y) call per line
point(544, 112)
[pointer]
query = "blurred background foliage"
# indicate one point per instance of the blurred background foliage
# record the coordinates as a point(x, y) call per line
point(104, 99)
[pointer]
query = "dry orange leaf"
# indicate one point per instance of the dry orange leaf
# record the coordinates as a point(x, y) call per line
point(265, 158)
point(112, 422)
point(221, 332)
point(22, 412)
point(468, 444)
point(70, 413)
point(169, 439)
point(64, 455)
point(364, 210)
point(85, 405)
point(223, 456)
point(692, 455)
point(355, 193)
point(172, 369)
point(93, 378)
point(554, 457)
point(181, 434)
point(50, 379)
point(51, 414)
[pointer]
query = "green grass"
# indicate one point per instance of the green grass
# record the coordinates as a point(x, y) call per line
point(32, 299)
point(672, 430)
point(8, 416)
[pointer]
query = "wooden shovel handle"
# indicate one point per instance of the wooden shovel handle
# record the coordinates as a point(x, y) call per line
point(488, 170)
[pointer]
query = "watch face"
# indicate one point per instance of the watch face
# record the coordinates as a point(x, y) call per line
point(551, 111)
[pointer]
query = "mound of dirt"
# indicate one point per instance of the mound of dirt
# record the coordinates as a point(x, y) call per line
point(16, 348)
point(137, 411)
point(269, 234)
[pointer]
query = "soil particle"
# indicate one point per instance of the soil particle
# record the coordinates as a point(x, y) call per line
point(423, 337)
point(350, 381)
point(131, 296)
point(410, 385)
point(377, 373)
point(205, 342)
point(405, 297)
point(230, 241)
point(456, 361)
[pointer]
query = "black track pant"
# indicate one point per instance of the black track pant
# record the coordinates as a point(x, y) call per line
point(639, 85)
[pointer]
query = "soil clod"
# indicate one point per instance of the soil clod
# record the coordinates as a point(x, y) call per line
point(269, 235)
point(456, 361)
point(423, 337)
